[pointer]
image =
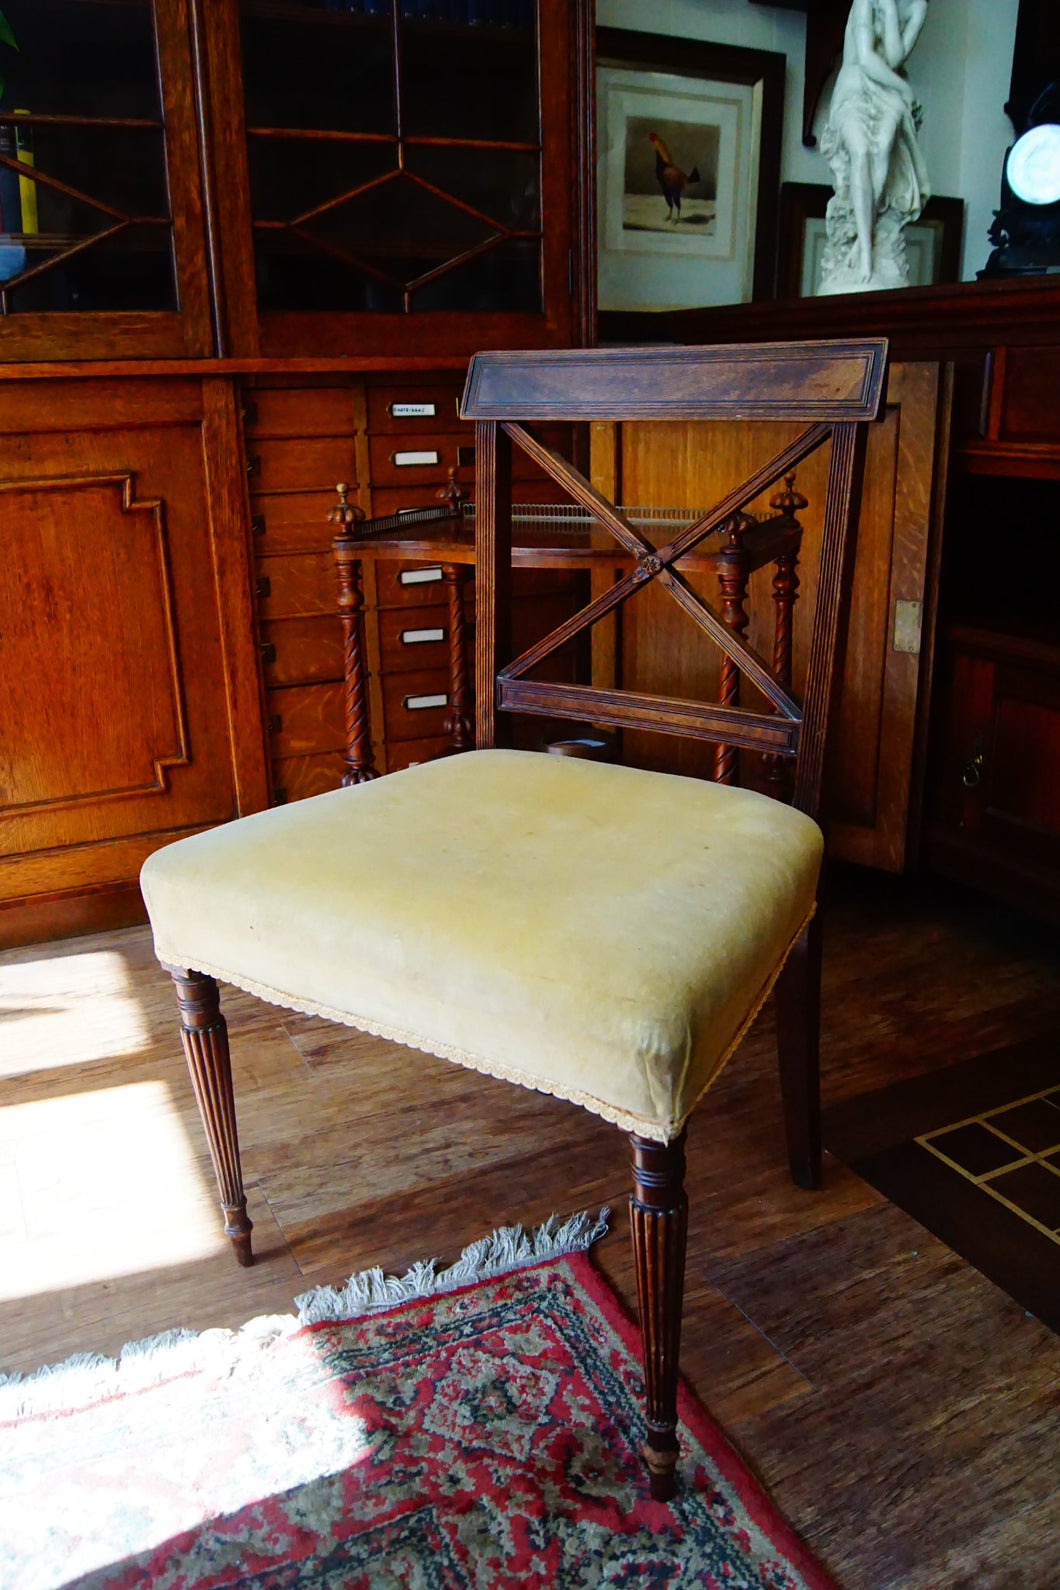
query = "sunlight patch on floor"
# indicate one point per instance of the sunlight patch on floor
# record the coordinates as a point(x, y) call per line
point(142, 1198)
point(171, 1438)
point(68, 1010)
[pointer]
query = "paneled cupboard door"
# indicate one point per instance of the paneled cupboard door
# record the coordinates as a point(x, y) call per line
point(129, 686)
point(102, 241)
point(387, 167)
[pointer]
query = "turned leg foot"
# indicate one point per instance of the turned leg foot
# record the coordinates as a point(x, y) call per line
point(659, 1224)
point(205, 1038)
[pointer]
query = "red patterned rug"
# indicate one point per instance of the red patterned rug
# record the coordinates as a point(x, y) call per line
point(484, 1437)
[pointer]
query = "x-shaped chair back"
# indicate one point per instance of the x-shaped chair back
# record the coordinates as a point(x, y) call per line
point(831, 386)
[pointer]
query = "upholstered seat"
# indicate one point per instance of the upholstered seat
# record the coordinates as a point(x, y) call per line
point(593, 931)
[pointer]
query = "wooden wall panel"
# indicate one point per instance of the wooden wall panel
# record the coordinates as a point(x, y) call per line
point(129, 689)
point(44, 620)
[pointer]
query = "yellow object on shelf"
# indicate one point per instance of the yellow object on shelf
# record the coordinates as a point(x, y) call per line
point(27, 188)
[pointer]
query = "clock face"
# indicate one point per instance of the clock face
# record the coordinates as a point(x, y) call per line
point(1033, 168)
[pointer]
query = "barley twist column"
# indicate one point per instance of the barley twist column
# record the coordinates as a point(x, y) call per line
point(360, 765)
point(458, 719)
point(785, 591)
point(658, 1218)
point(205, 1038)
point(733, 575)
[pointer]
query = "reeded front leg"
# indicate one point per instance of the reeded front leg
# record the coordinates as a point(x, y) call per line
point(658, 1214)
point(205, 1037)
point(798, 1006)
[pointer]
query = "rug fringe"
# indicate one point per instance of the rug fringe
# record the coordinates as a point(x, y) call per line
point(90, 1377)
point(507, 1248)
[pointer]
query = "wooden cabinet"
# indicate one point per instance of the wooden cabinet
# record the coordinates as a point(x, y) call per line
point(992, 813)
point(287, 177)
point(229, 213)
point(128, 684)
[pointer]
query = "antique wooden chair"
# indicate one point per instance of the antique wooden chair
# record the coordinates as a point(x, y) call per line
point(595, 931)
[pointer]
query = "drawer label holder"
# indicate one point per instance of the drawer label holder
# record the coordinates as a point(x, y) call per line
point(412, 411)
point(419, 637)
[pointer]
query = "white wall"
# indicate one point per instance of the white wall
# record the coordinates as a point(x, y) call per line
point(960, 71)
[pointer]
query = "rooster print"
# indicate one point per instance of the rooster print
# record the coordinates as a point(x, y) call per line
point(671, 179)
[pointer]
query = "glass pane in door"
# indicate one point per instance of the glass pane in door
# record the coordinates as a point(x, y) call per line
point(394, 150)
point(85, 220)
point(308, 66)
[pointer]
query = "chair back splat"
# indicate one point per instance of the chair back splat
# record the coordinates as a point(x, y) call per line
point(597, 931)
point(831, 387)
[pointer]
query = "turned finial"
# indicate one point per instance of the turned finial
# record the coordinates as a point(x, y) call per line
point(344, 513)
point(789, 502)
point(453, 494)
point(736, 526)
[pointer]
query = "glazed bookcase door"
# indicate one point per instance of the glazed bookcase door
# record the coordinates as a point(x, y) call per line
point(101, 233)
point(387, 166)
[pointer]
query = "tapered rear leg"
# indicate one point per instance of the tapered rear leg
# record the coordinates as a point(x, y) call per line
point(798, 1007)
point(205, 1038)
point(658, 1217)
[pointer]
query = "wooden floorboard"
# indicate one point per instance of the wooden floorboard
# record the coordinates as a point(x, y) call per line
point(901, 1409)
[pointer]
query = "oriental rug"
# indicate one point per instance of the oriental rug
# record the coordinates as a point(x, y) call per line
point(461, 1439)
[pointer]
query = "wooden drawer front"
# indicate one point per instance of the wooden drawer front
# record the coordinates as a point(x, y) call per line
point(385, 404)
point(407, 753)
point(427, 459)
point(1030, 379)
point(296, 584)
point(419, 460)
point(304, 463)
point(291, 521)
point(414, 641)
point(415, 705)
point(296, 777)
point(303, 719)
point(301, 651)
point(299, 411)
point(409, 584)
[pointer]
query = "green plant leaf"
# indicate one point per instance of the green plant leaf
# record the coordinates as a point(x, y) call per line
point(6, 35)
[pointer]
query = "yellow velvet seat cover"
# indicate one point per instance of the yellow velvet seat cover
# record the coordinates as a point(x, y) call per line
point(593, 931)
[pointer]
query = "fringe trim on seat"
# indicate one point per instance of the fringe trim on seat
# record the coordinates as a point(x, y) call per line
point(87, 1378)
point(645, 1126)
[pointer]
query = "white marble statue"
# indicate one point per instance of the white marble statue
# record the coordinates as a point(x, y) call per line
point(870, 142)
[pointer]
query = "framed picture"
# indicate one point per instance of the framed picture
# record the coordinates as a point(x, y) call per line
point(932, 243)
point(688, 165)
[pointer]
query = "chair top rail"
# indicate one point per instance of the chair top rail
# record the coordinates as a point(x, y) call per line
point(841, 379)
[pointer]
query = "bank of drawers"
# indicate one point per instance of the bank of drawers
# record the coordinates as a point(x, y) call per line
point(394, 441)
point(415, 437)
